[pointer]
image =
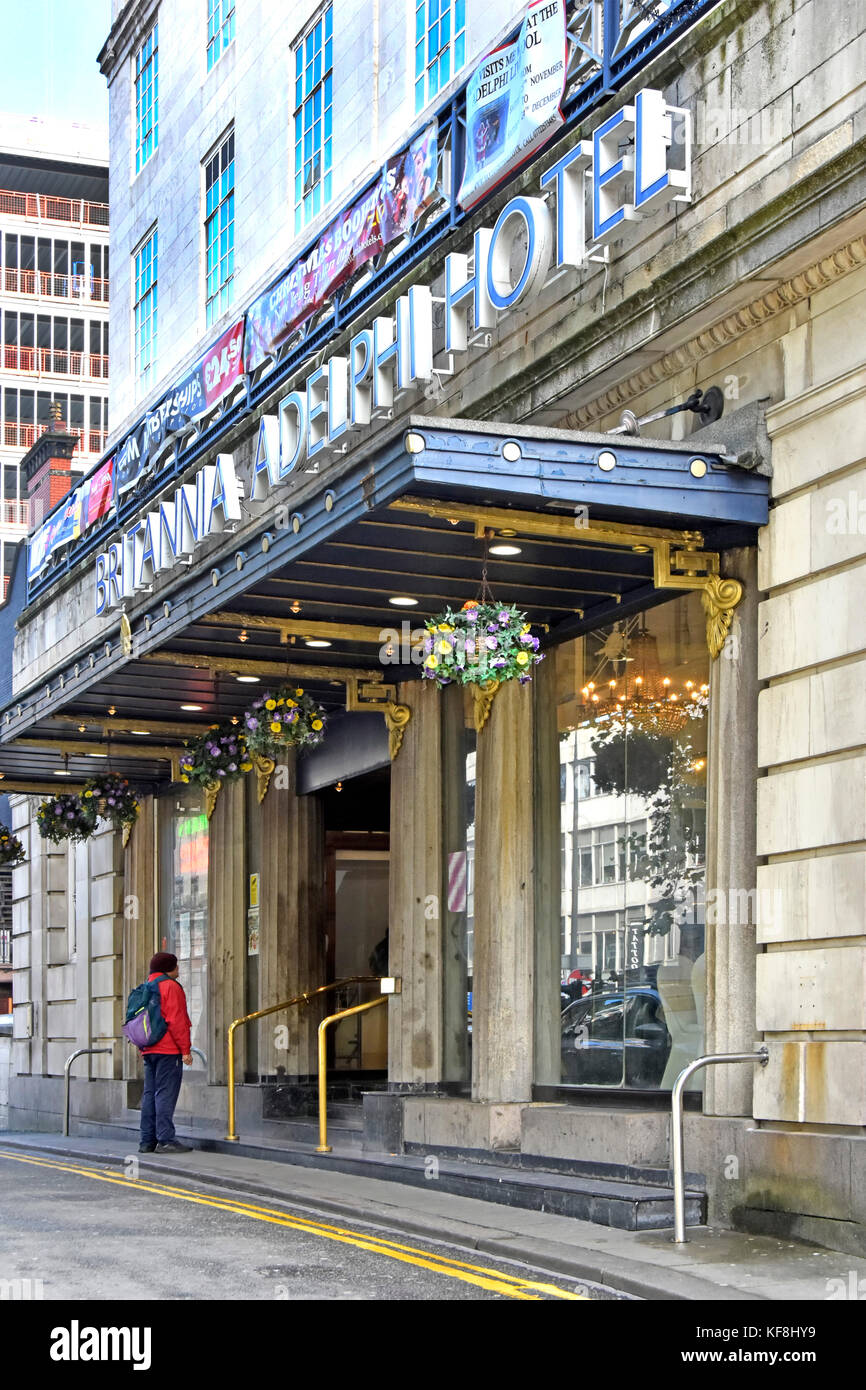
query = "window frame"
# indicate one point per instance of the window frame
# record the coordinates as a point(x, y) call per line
point(217, 39)
point(309, 201)
point(450, 54)
point(145, 378)
point(144, 151)
point(221, 300)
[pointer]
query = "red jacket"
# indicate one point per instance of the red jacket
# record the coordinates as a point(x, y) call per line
point(173, 1004)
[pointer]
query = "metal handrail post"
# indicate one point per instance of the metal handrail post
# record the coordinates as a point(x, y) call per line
point(263, 1013)
point(323, 1145)
point(198, 1052)
point(82, 1052)
point(677, 1148)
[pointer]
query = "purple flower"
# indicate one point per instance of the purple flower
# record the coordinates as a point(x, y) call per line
point(291, 716)
point(524, 680)
point(504, 618)
point(233, 767)
point(257, 704)
point(251, 722)
point(491, 627)
point(492, 644)
point(58, 810)
point(526, 638)
point(535, 644)
point(470, 646)
point(220, 772)
point(499, 661)
point(472, 615)
point(112, 801)
point(70, 815)
point(428, 645)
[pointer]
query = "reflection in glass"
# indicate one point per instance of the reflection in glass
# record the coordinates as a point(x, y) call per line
point(183, 859)
point(633, 738)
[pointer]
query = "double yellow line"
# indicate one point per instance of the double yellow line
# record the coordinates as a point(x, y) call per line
point(492, 1280)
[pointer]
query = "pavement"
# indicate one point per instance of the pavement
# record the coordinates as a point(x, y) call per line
point(714, 1265)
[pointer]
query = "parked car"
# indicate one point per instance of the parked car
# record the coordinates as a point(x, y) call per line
point(616, 1038)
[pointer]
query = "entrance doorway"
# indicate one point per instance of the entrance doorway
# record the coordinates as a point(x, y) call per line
point(357, 815)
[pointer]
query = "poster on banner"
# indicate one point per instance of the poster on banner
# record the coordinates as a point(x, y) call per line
point(351, 240)
point(99, 495)
point(513, 100)
point(212, 377)
point(408, 184)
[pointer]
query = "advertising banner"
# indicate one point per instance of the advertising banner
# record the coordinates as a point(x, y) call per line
point(99, 495)
point(379, 217)
point(212, 377)
point(512, 100)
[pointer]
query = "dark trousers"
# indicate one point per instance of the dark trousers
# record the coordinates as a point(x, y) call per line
point(163, 1073)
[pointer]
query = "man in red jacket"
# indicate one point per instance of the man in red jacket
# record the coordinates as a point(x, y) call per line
point(164, 1062)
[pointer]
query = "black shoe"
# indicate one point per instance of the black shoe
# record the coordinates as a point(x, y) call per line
point(173, 1148)
point(146, 1148)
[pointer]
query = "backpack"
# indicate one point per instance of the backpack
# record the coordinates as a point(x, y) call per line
point(145, 1025)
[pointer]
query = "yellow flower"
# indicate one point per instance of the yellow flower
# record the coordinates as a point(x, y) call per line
point(281, 702)
point(445, 647)
point(432, 661)
point(291, 704)
point(526, 627)
point(522, 658)
point(317, 724)
point(299, 692)
point(445, 627)
point(270, 704)
point(88, 793)
point(246, 767)
point(276, 728)
point(183, 777)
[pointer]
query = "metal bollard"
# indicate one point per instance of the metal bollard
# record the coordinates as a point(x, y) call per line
point(677, 1153)
point(82, 1052)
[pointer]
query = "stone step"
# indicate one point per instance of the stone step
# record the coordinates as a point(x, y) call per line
point(630, 1206)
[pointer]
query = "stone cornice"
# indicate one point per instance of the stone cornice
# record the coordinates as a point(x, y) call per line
point(725, 330)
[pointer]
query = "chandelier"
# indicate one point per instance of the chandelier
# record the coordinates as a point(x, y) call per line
point(643, 695)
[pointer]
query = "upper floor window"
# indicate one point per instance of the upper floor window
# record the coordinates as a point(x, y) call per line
point(313, 120)
point(220, 28)
point(440, 46)
point(219, 229)
point(145, 311)
point(147, 98)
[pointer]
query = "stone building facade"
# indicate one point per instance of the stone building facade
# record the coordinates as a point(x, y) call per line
point(754, 287)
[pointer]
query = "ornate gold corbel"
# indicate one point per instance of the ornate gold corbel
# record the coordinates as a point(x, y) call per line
point(363, 695)
point(690, 568)
point(482, 700)
point(396, 718)
point(125, 635)
point(264, 768)
point(211, 792)
point(126, 832)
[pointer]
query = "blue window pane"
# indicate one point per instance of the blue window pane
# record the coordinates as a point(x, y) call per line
point(458, 52)
point(445, 68)
point(445, 30)
point(434, 10)
point(419, 94)
point(459, 15)
point(328, 23)
point(419, 22)
point(433, 43)
point(328, 55)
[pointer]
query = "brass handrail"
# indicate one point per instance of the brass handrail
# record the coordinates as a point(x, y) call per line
point(275, 1008)
point(323, 1146)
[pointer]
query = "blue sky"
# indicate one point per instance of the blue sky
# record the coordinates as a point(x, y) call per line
point(48, 59)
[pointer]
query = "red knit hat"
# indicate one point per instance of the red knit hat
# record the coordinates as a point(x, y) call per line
point(162, 963)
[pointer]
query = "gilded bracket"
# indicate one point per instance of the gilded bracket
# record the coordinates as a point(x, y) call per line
point(264, 768)
point(363, 695)
point(482, 702)
point(211, 792)
point(689, 568)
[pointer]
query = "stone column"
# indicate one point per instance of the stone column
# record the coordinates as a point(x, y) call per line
point(226, 929)
point(139, 914)
point(514, 1020)
point(292, 891)
point(732, 762)
point(417, 896)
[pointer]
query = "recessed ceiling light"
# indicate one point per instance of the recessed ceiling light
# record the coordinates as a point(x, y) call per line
point(401, 601)
point(317, 642)
point(97, 755)
point(505, 550)
point(192, 707)
point(249, 680)
point(141, 732)
point(60, 772)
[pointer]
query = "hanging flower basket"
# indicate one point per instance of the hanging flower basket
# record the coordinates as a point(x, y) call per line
point(11, 849)
point(218, 755)
point(114, 799)
point(482, 643)
point(67, 817)
point(286, 718)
